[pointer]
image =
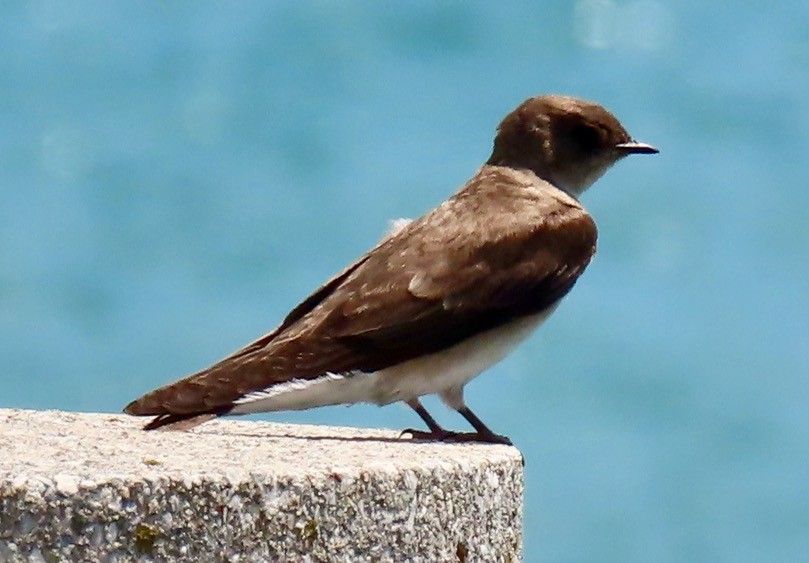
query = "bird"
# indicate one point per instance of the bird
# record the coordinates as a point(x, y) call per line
point(439, 299)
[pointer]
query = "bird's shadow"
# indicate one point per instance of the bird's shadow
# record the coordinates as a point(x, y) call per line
point(356, 439)
point(335, 437)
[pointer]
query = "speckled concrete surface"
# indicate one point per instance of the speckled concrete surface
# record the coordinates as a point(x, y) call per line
point(94, 487)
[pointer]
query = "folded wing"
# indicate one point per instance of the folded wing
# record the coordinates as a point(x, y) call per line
point(444, 277)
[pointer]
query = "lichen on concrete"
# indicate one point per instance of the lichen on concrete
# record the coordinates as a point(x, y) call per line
point(95, 487)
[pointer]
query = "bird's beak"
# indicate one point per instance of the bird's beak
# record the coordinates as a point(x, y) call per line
point(634, 147)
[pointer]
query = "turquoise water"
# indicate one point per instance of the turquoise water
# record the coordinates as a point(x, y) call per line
point(174, 178)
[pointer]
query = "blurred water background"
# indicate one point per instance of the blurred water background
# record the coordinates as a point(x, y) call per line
point(175, 176)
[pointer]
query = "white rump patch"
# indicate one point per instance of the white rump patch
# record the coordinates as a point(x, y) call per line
point(395, 226)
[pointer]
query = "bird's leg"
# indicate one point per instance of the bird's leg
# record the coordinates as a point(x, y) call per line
point(483, 433)
point(453, 398)
point(436, 431)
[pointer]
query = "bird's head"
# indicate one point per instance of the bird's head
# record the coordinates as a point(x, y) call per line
point(566, 141)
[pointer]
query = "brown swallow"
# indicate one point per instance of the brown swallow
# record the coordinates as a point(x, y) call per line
point(438, 301)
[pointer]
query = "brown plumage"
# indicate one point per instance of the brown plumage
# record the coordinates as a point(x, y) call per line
point(507, 246)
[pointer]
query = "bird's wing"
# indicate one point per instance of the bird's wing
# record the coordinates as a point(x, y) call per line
point(459, 270)
point(316, 297)
point(298, 312)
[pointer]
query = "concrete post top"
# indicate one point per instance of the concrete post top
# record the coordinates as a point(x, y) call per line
point(94, 446)
point(97, 487)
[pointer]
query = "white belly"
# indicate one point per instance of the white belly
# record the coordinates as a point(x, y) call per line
point(443, 372)
point(454, 367)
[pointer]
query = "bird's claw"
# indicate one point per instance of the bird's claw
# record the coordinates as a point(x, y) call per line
point(449, 436)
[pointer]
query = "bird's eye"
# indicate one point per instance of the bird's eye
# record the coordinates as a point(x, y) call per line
point(585, 137)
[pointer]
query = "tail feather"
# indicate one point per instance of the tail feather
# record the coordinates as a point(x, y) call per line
point(179, 421)
point(165, 419)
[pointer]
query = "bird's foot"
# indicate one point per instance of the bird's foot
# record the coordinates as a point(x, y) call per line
point(449, 436)
point(426, 435)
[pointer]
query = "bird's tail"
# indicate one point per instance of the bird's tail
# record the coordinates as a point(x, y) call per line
point(178, 421)
point(177, 406)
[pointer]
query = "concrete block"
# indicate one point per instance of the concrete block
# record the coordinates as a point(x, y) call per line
point(95, 487)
